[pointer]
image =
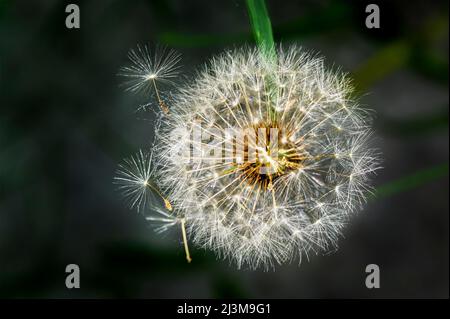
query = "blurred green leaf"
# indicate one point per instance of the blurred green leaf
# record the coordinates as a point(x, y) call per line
point(415, 51)
point(382, 63)
point(412, 181)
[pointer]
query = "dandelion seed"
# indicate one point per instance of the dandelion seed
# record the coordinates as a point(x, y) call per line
point(134, 177)
point(148, 68)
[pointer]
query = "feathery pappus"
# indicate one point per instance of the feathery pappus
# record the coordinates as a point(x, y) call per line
point(261, 160)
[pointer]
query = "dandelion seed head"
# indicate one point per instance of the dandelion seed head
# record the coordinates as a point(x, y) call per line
point(302, 204)
point(287, 188)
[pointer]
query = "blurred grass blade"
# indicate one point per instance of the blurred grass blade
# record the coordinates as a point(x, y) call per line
point(262, 27)
point(412, 181)
point(383, 62)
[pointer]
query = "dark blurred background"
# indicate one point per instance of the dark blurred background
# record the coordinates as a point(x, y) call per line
point(65, 124)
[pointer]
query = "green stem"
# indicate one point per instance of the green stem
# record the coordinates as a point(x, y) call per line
point(262, 27)
point(262, 31)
